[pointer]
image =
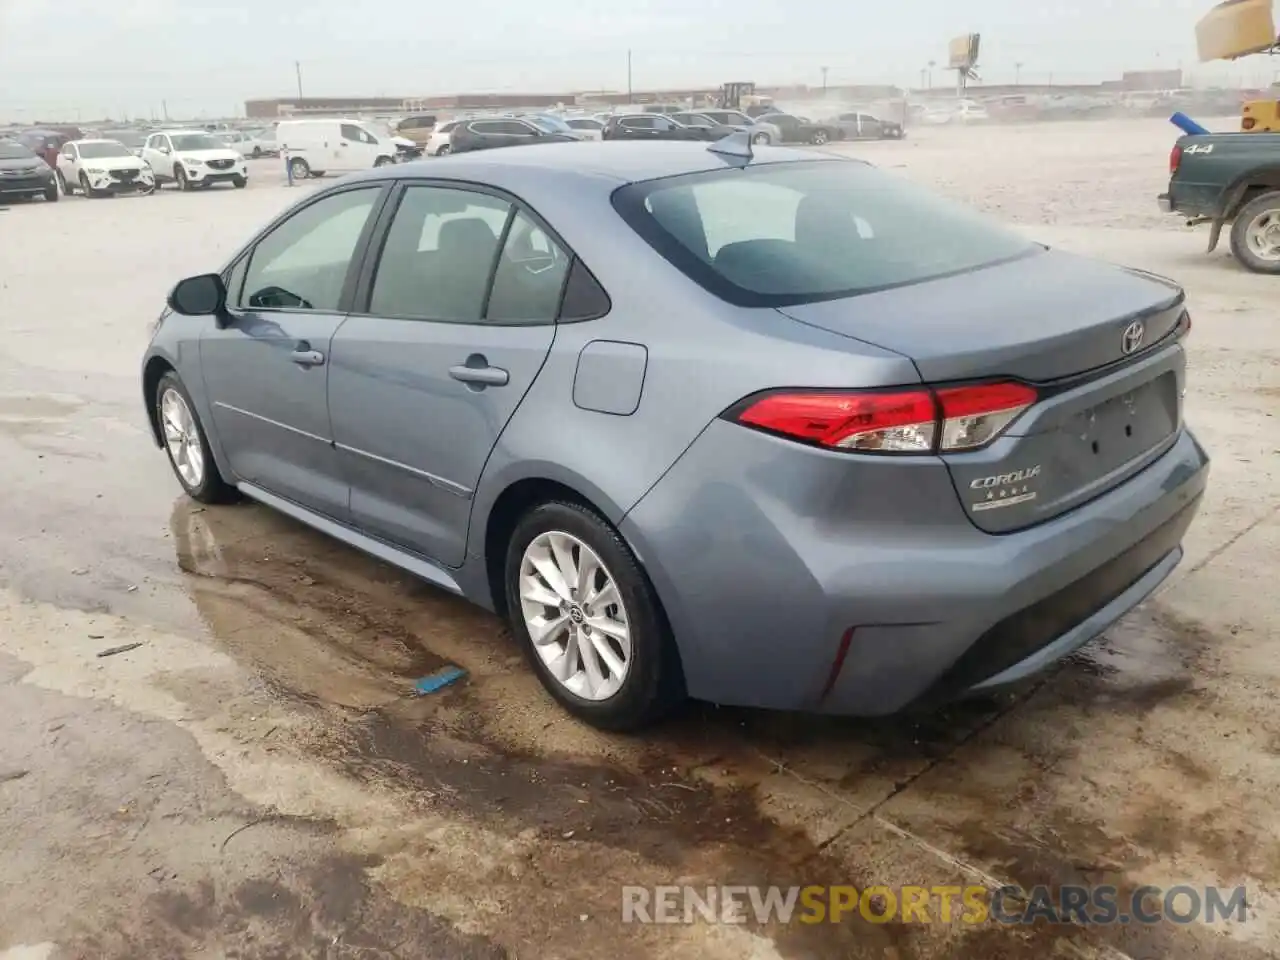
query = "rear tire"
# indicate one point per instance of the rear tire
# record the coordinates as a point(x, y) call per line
point(205, 485)
point(1255, 234)
point(820, 138)
point(762, 139)
point(257, 153)
point(651, 682)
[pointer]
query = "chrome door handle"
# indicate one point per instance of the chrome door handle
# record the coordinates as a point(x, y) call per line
point(482, 376)
point(307, 358)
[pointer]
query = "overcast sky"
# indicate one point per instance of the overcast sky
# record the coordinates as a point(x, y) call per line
point(60, 57)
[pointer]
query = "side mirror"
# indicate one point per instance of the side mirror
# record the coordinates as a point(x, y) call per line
point(199, 296)
point(164, 150)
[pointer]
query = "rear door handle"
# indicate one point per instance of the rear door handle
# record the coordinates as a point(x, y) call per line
point(307, 358)
point(480, 374)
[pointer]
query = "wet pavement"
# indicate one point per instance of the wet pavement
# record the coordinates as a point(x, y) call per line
point(258, 779)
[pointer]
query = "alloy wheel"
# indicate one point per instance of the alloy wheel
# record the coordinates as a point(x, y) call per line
point(575, 615)
point(182, 438)
point(1263, 236)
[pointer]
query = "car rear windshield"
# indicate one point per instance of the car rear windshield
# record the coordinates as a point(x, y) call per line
point(9, 150)
point(787, 233)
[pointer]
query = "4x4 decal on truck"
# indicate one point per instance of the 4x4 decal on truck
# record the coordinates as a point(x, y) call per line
point(1199, 148)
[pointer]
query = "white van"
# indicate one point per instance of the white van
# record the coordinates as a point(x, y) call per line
point(316, 147)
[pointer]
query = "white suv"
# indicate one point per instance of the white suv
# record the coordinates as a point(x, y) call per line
point(193, 158)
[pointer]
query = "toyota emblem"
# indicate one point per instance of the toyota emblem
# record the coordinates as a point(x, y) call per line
point(1131, 339)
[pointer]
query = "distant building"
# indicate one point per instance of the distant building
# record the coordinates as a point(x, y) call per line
point(293, 106)
point(1151, 80)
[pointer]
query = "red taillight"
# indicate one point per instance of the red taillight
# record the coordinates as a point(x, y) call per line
point(1175, 158)
point(916, 420)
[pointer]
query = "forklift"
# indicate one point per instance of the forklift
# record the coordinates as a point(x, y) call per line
point(1240, 28)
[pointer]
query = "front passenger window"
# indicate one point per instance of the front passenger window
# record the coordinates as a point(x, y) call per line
point(303, 263)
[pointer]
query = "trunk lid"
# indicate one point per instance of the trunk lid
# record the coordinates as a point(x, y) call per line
point(1038, 318)
point(1106, 408)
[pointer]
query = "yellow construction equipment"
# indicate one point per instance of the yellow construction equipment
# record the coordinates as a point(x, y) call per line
point(1240, 28)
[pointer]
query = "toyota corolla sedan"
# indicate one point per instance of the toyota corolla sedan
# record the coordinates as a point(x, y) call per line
point(699, 422)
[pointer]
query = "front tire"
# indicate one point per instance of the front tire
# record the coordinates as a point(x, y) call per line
point(239, 182)
point(588, 619)
point(180, 176)
point(820, 138)
point(1255, 234)
point(62, 183)
point(52, 193)
point(299, 169)
point(186, 444)
point(761, 139)
point(444, 150)
point(383, 162)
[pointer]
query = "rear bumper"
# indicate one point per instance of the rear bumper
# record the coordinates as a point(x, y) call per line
point(765, 561)
point(1165, 203)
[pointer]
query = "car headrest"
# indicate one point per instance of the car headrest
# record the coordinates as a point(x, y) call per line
point(820, 223)
point(762, 266)
point(470, 234)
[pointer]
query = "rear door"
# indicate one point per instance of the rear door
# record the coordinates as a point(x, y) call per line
point(456, 318)
point(266, 370)
point(638, 128)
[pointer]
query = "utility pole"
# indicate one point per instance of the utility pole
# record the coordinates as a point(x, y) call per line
point(297, 69)
point(1017, 74)
point(164, 109)
point(824, 81)
point(628, 75)
point(932, 64)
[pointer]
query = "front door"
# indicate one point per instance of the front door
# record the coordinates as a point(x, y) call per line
point(266, 369)
point(423, 380)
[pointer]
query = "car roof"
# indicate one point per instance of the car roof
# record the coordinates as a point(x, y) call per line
point(618, 162)
point(97, 140)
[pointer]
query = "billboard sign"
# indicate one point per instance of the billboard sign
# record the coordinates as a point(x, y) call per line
point(963, 52)
point(1236, 28)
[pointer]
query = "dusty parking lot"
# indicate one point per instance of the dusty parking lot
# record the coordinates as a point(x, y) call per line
point(256, 779)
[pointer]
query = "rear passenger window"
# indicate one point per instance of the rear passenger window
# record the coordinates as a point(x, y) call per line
point(530, 276)
point(439, 255)
point(302, 264)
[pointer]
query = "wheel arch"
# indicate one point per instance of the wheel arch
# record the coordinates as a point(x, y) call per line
point(520, 496)
point(1251, 185)
point(152, 373)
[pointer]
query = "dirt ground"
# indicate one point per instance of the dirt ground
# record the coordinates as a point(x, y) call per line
point(256, 780)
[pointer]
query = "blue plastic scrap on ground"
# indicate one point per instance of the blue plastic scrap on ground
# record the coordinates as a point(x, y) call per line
point(438, 680)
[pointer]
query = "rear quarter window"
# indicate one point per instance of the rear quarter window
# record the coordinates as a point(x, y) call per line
point(787, 233)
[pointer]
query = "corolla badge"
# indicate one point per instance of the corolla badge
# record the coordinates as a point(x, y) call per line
point(1005, 489)
point(1131, 339)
